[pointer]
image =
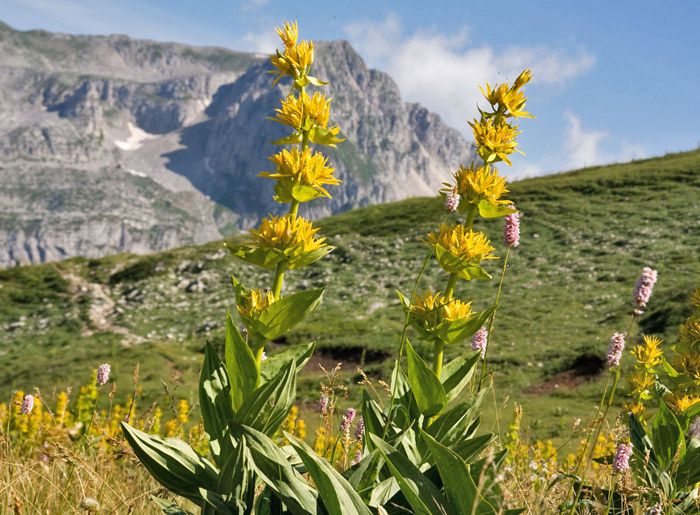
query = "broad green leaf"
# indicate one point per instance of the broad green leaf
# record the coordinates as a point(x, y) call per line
point(266, 408)
point(305, 193)
point(266, 258)
point(169, 507)
point(310, 257)
point(338, 496)
point(243, 372)
point(457, 373)
point(273, 364)
point(316, 82)
point(488, 210)
point(459, 486)
point(422, 495)
point(288, 311)
point(639, 438)
point(427, 389)
point(236, 479)
point(172, 463)
point(277, 473)
point(372, 415)
point(292, 139)
point(474, 272)
point(469, 450)
point(458, 331)
point(215, 402)
point(667, 436)
point(323, 136)
point(219, 503)
point(383, 491)
point(688, 472)
point(365, 474)
point(448, 261)
point(452, 425)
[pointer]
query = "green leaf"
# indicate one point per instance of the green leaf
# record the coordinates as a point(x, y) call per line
point(458, 331)
point(169, 507)
point(338, 496)
point(267, 407)
point(405, 301)
point(316, 82)
point(488, 210)
point(383, 491)
point(448, 261)
point(422, 495)
point(309, 257)
point(427, 389)
point(688, 472)
point(217, 501)
point(474, 272)
point(459, 486)
point(470, 449)
point(323, 136)
point(287, 312)
point(292, 139)
point(266, 258)
point(243, 372)
point(667, 436)
point(452, 425)
point(372, 415)
point(365, 474)
point(277, 473)
point(172, 463)
point(305, 193)
point(215, 403)
point(273, 364)
point(457, 373)
point(236, 479)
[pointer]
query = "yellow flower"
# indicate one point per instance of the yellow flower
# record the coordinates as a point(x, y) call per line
point(641, 382)
point(303, 112)
point(297, 168)
point(496, 139)
point(679, 402)
point(695, 297)
point(251, 305)
point(688, 363)
point(296, 59)
point(431, 310)
point(287, 232)
point(462, 243)
point(648, 354)
point(637, 408)
point(183, 411)
point(477, 183)
point(507, 100)
point(690, 332)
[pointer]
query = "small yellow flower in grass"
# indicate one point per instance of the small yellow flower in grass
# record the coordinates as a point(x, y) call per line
point(430, 310)
point(679, 402)
point(496, 139)
point(509, 101)
point(304, 111)
point(292, 234)
point(648, 354)
point(477, 183)
point(300, 169)
point(252, 305)
point(464, 244)
point(641, 383)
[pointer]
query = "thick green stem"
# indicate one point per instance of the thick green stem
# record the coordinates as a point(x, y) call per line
point(470, 216)
point(279, 279)
point(438, 351)
point(493, 316)
point(450, 288)
point(294, 208)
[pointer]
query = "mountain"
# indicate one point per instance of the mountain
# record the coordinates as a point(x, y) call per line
point(585, 237)
point(110, 144)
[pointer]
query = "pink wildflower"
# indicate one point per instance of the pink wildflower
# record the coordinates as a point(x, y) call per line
point(360, 429)
point(323, 404)
point(621, 462)
point(480, 340)
point(645, 285)
point(617, 345)
point(27, 404)
point(103, 373)
point(357, 459)
point(451, 201)
point(347, 420)
point(511, 232)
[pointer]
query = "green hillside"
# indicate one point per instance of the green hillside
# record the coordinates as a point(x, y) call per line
point(586, 235)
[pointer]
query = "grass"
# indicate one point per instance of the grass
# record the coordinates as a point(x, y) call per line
point(585, 237)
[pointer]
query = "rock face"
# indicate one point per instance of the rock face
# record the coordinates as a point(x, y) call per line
point(109, 144)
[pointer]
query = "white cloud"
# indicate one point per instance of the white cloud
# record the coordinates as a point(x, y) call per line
point(442, 72)
point(264, 41)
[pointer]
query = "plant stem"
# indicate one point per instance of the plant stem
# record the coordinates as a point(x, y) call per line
point(437, 357)
point(279, 279)
point(294, 208)
point(450, 288)
point(470, 216)
point(493, 317)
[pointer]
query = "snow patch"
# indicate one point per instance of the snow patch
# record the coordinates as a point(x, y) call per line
point(136, 138)
point(135, 172)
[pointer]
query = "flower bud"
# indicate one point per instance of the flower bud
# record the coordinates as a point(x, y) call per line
point(644, 287)
point(621, 462)
point(103, 374)
point(511, 232)
point(27, 404)
point(480, 340)
point(617, 345)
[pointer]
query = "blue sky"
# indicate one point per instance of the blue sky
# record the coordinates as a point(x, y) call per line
point(613, 81)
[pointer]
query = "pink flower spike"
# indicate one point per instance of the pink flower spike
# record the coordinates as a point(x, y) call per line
point(27, 404)
point(480, 340)
point(621, 462)
point(451, 201)
point(644, 287)
point(617, 345)
point(511, 232)
point(103, 374)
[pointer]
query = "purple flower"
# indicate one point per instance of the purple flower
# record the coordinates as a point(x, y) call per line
point(621, 462)
point(27, 404)
point(323, 404)
point(511, 232)
point(347, 420)
point(645, 285)
point(360, 429)
point(480, 340)
point(451, 201)
point(694, 429)
point(103, 373)
point(617, 345)
point(357, 459)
